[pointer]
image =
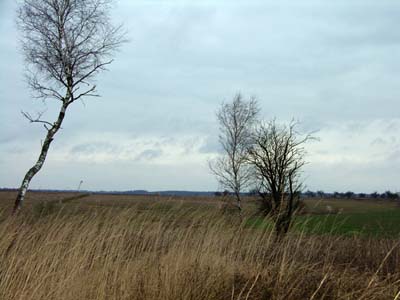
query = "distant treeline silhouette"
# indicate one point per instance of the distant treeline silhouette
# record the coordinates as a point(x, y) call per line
point(308, 194)
point(350, 194)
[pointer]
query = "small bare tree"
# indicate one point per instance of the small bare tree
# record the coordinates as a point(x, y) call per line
point(277, 155)
point(65, 43)
point(236, 120)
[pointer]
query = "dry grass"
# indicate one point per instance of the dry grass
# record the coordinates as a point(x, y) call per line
point(185, 253)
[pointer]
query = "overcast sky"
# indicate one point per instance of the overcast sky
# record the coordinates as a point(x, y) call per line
point(333, 65)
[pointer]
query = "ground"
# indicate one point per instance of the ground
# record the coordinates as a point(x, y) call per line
point(69, 246)
point(367, 217)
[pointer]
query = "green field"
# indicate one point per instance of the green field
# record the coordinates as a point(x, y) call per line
point(345, 217)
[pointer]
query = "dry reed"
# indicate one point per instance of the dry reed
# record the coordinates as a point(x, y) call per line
point(185, 254)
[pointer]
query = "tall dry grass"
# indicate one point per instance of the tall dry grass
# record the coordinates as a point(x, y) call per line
point(185, 254)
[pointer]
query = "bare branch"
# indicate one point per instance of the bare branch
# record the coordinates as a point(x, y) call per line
point(88, 93)
point(66, 43)
point(37, 119)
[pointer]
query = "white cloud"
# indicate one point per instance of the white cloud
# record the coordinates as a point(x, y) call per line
point(108, 148)
point(360, 156)
point(356, 142)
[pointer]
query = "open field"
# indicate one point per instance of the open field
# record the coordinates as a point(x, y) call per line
point(379, 218)
point(374, 218)
point(144, 247)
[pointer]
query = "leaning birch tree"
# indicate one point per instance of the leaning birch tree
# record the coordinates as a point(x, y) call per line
point(65, 44)
point(236, 120)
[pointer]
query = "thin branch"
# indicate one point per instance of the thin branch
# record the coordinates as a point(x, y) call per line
point(88, 93)
point(37, 119)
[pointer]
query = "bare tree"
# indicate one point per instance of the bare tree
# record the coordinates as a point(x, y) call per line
point(65, 44)
point(277, 155)
point(236, 120)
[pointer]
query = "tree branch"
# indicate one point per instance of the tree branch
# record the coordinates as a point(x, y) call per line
point(37, 119)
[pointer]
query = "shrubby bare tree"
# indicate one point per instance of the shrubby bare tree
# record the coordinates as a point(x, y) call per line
point(236, 121)
point(65, 43)
point(277, 156)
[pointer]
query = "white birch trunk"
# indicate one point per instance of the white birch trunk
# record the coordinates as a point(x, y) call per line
point(42, 157)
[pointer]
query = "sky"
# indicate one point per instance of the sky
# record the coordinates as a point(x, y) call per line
point(332, 65)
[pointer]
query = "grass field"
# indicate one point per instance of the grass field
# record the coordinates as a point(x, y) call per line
point(346, 217)
point(352, 217)
point(73, 246)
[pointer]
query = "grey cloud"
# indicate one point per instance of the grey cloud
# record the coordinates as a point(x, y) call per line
point(210, 145)
point(378, 141)
point(360, 24)
point(393, 126)
point(148, 154)
point(7, 139)
point(394, 158)
point(93, 148)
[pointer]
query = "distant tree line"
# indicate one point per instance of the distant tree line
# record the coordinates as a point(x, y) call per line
point(351, 195)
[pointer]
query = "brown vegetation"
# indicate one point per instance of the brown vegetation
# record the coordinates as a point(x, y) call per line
point(183, 252)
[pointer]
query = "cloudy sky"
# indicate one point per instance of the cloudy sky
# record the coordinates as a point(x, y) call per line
point(333, 65)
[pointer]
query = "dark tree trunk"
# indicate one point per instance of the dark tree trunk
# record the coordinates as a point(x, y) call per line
point(42, 157)
point(238, 201)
